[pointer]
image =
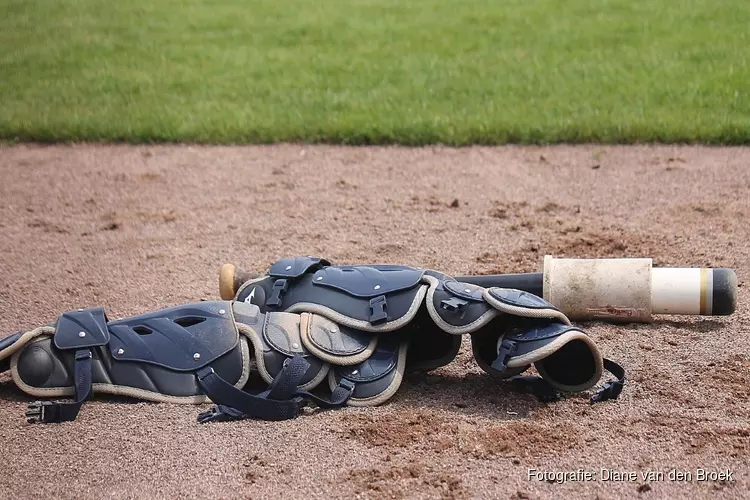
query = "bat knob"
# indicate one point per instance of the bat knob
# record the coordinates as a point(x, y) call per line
point(724, 300)
point(231, 279)
point(227, 286)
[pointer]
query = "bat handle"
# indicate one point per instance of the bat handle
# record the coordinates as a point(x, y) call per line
point(633, 290)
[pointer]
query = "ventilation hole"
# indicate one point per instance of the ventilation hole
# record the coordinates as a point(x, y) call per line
point(142, 330)
point(186, 322)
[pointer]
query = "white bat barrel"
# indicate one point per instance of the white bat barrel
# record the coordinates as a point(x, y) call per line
point(633, 290)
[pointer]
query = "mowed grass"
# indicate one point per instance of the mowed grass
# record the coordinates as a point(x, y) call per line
point(376, 71)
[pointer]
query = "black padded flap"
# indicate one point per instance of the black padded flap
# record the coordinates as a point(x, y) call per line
point(465, 290)
point(382, 362)
point(337, 340)
point(281, 332)
point(368, 281)
point(82, 328)
point(296, 267)
point(180, 338)
point(520, 298)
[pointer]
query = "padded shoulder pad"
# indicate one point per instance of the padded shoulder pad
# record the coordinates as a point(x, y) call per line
point(296, 267)
point(82, 328)
point(519, 298)
point(368, 281)
point(181, 338)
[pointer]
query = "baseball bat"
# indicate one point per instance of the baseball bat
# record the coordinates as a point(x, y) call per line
point(629, 289)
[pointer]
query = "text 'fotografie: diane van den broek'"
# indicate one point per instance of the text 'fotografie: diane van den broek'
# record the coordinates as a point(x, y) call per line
point(614, 475)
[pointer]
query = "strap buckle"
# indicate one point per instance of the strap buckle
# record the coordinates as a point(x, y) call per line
point(204, 372)
point(454, 304)
point(43, 412)
point(378, 308)
point(507, 347)
point(220, 413)
point(610, 390)
point(82, 354)
point(277, 292)
point(613, 388)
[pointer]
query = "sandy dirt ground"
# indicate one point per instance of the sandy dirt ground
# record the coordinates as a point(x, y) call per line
point(139, 228)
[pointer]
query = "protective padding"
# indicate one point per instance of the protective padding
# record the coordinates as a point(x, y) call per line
point(183, 338)
point(378, 378)
point(374, 365)
point(42, 370)
point(368, 281)
point(563, 355)
point(151, 356)
point(510, 329)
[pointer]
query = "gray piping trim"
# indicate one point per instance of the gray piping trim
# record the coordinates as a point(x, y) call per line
point(342, 319)
point(447, 327)
point(524, 311)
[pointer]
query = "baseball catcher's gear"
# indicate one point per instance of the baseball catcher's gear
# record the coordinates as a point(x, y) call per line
point(304, 325)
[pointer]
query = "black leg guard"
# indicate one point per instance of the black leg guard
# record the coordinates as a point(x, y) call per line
point(188, 354)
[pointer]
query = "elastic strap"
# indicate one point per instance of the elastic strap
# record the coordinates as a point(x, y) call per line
point(282, 400)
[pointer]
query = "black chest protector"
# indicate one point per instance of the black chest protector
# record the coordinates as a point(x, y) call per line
point(423, 314)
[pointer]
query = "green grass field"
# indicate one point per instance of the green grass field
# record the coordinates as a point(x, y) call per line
point(376, 71)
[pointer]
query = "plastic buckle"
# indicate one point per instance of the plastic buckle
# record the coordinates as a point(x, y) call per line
point(507, 347)
point(610, 390)
point(378, 307)
point(219, 413)
point(454, 304)
point(212, 415)
point(277, 292)
point(43, 412)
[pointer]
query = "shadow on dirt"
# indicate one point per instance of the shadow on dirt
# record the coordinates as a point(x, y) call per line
point(472, 394)
point(10, 392)
point(702, 325)
point(706, 325)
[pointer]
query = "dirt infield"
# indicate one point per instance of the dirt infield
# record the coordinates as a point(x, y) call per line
point(139, 228)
